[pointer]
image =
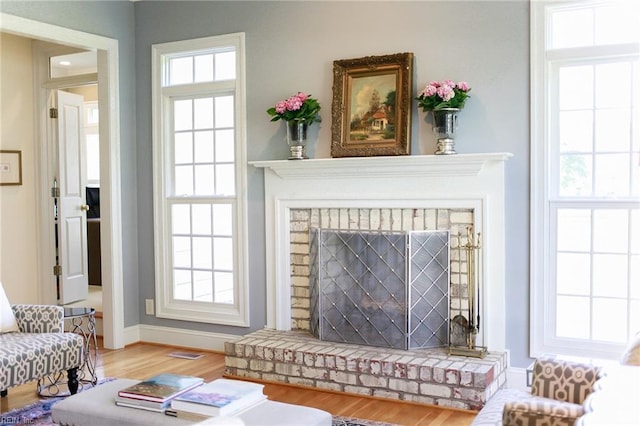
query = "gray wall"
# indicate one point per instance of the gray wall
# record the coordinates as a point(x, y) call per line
point(114, 20)
point(291, 46)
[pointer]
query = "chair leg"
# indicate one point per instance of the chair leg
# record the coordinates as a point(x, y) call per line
point(72, 376)
point(4, 392)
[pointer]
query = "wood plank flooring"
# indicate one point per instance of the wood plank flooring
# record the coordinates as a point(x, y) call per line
point(142, 360)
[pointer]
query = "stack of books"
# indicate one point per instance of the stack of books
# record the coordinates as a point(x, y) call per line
point(157, 392)
point(221, 397)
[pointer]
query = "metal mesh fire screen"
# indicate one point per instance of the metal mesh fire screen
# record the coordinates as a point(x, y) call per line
point(387, 289)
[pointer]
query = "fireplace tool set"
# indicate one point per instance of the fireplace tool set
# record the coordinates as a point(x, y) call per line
point(465, 326)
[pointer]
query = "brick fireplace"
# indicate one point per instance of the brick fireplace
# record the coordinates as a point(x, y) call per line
point(377, 193)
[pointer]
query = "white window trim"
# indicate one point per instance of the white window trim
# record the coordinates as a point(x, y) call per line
point(236, 314)
point(541, 255)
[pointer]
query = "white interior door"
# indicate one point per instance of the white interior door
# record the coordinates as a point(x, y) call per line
point(72, 216)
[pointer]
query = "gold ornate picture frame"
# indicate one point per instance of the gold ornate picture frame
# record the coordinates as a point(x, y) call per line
point(371, 108)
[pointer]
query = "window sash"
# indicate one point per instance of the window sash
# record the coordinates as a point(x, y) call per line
point(546, 201)
point(198, 274)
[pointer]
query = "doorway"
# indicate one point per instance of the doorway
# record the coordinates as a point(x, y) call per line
point(111, 229)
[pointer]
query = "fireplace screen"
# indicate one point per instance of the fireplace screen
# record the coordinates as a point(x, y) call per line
point(387, 289)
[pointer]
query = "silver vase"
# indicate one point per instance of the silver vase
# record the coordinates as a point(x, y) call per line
point(297, 138)
point(445, 122)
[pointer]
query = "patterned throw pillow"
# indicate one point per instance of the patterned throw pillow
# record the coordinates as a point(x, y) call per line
point(631, 355)
point(7, 319)
point(563, 380)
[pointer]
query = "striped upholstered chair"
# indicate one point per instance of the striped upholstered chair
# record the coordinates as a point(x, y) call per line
point(39, 347)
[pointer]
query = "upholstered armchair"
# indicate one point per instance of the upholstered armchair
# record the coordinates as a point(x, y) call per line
point(558, 391)
point(38, 347)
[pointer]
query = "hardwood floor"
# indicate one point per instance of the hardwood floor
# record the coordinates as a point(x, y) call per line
point(142, 360)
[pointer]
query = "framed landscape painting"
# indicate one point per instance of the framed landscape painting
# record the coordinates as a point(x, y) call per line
point(371, 109)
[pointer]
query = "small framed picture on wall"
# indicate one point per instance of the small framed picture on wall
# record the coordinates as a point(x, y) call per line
point(10, 167)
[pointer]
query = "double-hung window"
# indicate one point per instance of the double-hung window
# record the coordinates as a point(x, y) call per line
point(199, 180)
point(585, 278)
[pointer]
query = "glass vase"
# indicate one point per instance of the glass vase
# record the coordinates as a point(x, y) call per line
point(297, 138)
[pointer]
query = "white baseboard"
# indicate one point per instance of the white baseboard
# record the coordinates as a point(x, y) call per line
point(177, 337)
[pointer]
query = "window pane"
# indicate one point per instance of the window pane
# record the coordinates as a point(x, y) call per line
point(182, 111)
point(92, 113)
point(226, 66)
point(225, 147)
point(204, 68)
point(609, 320)
point(201, 219)
point(608, 93)
point(574, 230)
point(204, 147)
point(224, 287)
point(202, 252)
point(204, 180)
point(180, 71)
point(224, 111)
point(223, 254)
point(575, 175)
point(181, 284)
point(576, 131)
point(184, 180)
point(203, 286)
point(181, 252)
point(225, 179)
point(634, 318)
point(223, 219)
point(571, 28)
point(203, 116)
point(634, 277)
point(183, 149)
point(613, 130)
point(612, 174)
point(180, 219)
point(610, 275)
point(572, 317)
point(576, 87)
point(635, 231)
point(617, 24)
point(610, 231)
point(574, 274)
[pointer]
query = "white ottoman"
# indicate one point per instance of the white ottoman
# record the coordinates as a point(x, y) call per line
point(96, 407)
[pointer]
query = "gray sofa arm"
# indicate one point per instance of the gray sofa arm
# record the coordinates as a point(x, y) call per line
point(39, 318)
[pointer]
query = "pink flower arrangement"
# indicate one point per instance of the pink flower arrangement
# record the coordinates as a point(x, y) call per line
point(297, 107)
point(443, 94)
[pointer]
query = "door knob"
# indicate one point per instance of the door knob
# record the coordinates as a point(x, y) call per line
point(84, 207)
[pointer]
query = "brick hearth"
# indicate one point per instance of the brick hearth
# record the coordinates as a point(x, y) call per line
point(428, 376)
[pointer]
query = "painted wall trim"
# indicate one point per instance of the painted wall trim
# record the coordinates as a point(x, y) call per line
point(178, 337)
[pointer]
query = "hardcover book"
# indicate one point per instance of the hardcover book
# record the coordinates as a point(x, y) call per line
point(123, 403)
point(142, 403)
point(220, 397)
point(161, 388)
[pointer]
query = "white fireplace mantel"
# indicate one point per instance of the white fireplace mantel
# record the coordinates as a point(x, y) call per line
point(473, 181)
point(399, 166)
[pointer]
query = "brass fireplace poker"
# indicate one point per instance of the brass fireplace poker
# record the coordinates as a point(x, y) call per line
point(464, 329)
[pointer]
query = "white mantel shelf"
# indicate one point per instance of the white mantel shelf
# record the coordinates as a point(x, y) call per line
point(398, 166)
